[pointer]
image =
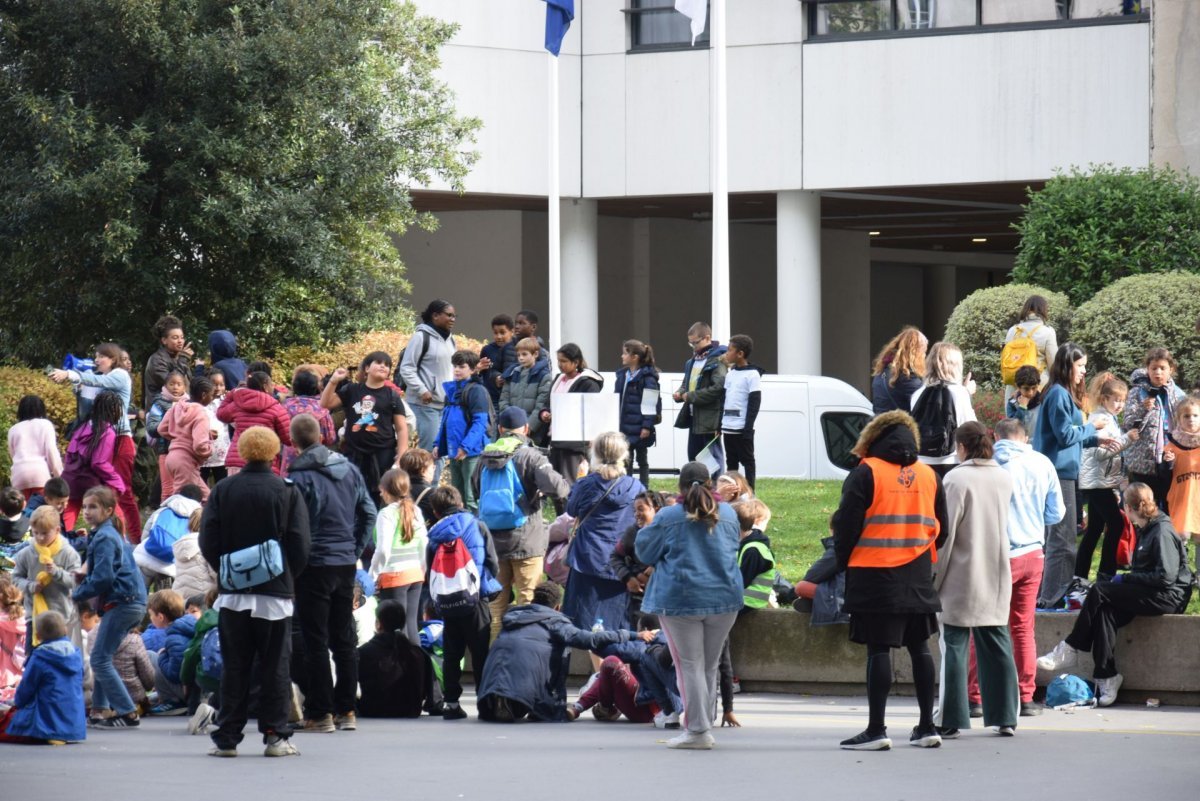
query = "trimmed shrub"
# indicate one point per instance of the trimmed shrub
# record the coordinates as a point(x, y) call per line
point(347, 353)
point(980, 321)
point(1085, 230)
point(1124, 320)
point(15, 383)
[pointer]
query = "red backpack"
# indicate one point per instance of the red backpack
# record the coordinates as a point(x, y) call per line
point(1127, 543)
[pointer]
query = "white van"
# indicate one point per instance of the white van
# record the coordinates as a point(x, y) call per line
point(805, 429)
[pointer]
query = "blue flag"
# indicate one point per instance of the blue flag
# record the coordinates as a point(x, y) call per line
point(559, 14)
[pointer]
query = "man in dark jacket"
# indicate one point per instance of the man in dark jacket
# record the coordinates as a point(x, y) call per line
point(702, 393)
point(526, 670)
point(520, 550)
point(341, 516)
point(243, 511)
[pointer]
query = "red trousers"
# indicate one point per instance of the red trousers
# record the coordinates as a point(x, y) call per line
point(1026, 578)
point(617, 687)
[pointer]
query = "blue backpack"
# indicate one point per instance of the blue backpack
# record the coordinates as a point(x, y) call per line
point(500, 488)
point(167, 529)
point(211, 663)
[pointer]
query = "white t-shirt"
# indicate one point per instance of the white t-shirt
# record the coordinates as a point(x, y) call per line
point(739, 383)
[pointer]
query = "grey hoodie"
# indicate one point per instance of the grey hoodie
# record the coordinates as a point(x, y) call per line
point(428, 373)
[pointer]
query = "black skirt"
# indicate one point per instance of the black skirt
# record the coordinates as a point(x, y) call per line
point(894, 629)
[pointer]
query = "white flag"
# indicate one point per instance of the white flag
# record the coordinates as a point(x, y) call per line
point(697, 12)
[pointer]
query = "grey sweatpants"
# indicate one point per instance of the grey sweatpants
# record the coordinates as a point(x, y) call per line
point(696, 642)
point(1059, 567)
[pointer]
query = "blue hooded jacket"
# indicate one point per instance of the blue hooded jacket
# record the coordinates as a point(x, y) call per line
point(477, 538)
point(49, 699)
point(455, 432)
point(654, 669)
point(112, 575)
point(222, 349)
point(1060, 432)
point(608, 519)
point(179, 635)
point(528, 661)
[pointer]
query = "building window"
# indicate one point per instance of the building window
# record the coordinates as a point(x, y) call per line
point(656, 25)
point(840, 18)
point(841, 430)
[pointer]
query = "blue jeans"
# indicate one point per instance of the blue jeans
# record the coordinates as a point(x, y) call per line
point(429, 420)
point(109, 691)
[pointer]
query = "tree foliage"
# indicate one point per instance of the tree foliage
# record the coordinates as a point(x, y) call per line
point(1124, 320)
point(239, 164)
point(1086, 230)
point(980, 321)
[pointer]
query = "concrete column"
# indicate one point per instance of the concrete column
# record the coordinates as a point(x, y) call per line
point(846, 307)
point(1175, 71)
point(941, 296)
point(798, 281)
point(580, 277)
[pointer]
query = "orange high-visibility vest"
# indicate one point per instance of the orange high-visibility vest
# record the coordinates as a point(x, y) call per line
point(900, 524)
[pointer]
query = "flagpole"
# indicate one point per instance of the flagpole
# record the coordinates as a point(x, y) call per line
point(555, 332)
point(720, 174)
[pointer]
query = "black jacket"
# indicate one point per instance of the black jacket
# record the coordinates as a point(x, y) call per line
point(528, 661)
point(1159, 560)
point(750, 562)
point(902, 590)
point(248, 509)
point(395, 676)
point(341, 515)
point(886, 397)
point(624, 561)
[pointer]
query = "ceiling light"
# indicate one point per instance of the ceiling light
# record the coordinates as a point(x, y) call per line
point(873, 233)
point(979, 239)
point(651, 206)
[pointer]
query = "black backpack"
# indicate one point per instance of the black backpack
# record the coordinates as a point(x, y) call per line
point(936, 420)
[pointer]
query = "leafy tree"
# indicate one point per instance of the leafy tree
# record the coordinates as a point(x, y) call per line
point(239, 164)
point(1125, 320)
point(1086, 230)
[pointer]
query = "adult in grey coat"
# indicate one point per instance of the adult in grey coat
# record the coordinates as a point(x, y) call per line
point(424, 367)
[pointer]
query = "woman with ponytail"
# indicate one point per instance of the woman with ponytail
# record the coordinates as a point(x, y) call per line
point(696, 590)
point(393, 672)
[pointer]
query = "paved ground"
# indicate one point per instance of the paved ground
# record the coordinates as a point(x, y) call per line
point(786, 749)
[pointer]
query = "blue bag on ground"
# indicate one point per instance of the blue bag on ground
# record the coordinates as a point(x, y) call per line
point(1068, 691)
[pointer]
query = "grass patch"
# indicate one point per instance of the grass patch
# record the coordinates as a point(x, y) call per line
point(800, 513)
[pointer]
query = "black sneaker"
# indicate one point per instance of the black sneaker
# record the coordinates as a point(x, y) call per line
point(453, 712)
point(976, 710)
point(1030, 709)
point(501, 709)
point(868, 742)
point(948, 732)
point(128, 721)
point(925, 739)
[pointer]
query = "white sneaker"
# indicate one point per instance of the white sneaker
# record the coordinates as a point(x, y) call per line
point(200, 721)
point(280, 747)
point(587, 685)
point(1062, 656)
point(692, 741)
point(664, 721)
point(1106, 690)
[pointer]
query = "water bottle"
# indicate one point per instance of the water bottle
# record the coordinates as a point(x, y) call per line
point(598, 625)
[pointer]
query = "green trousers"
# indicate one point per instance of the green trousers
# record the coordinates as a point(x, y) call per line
point(997, 677)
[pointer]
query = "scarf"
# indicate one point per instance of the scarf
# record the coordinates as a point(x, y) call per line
point(46, 553)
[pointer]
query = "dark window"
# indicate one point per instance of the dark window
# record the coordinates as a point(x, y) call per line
point(656, 25)
point(841, 430)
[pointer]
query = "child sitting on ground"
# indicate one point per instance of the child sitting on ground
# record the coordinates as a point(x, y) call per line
point(636, 679)
point(12, 636)
point(203, 665)
point(167, 612)
point(155, 554)
point(1023, 405)
point(48, 707)
point(45, 573)
point(135, 666)
point(193, 574)
point(394, 673)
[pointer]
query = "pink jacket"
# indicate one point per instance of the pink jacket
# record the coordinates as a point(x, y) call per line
point(186, 425)
point(83, 472)
point(245, 407)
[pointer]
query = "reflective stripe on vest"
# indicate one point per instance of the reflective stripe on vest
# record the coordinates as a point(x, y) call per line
point(900, 524)
point(757, 594)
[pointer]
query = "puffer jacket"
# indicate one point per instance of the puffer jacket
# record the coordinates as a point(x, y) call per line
point(179, 635)
point(465, 419)
point(478, 541)
point(1101, 468)
point(630, 391)
point(134, 666)
point(1145, 455)
point(528, 661)
point(246, 407)
point(529, 389)
point(193, 576)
